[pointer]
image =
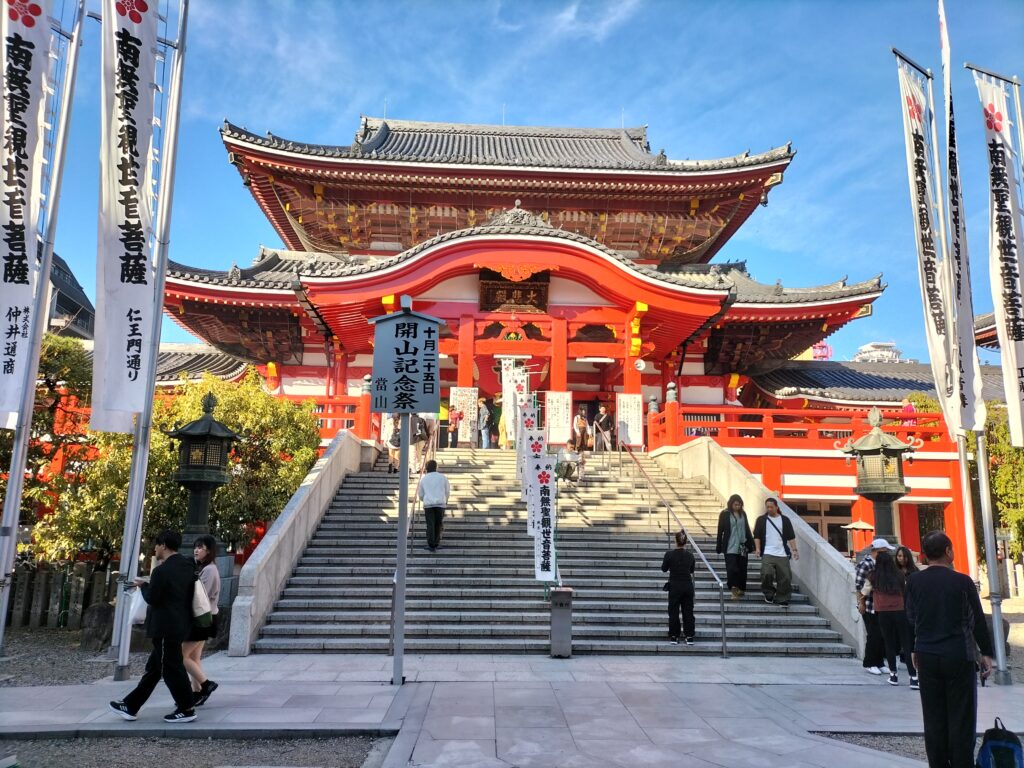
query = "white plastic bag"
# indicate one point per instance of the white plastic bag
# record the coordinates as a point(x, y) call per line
point(138, 607)
point(202, 611)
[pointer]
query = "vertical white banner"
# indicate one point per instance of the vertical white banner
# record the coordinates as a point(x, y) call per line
point(629, 419)
point(464, 399)
point(525, 421)
point(534, 449)
point(25, 49)
point(508, 367)
point(125, 301)
point(521, 396)
point(917, 116)
point(1005, 245)
point(558, 417)
point(967, 374)
point(542, 497)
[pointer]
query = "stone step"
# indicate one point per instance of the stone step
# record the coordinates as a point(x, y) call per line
point(704, 604)
point(711, 647)
point(541, 617)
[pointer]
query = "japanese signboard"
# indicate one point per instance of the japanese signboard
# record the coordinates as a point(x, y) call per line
point(1005, 248)
point(533, 451)
point(499, 294)
point(558, 417)
point(542, 491)
point(24, 48)
point(629, 419)
point(526, 421)
point(405, 363)
point(126, 311)
point(463, 399)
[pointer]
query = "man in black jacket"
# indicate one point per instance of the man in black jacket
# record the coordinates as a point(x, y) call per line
point(679, 564)
point(775, 544)
point(949, 626)
point(168, 621)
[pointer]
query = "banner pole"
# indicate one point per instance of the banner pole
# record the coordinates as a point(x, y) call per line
point(398, 611)
point(1001, 675)
point(144, 421)
point(23, 429)
point(967, 499)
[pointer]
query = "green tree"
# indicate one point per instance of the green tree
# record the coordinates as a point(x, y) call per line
point(65, 371)
point(278, 447)
point(1006, 468)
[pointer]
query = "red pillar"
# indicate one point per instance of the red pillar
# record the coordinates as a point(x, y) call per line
point(467, 331)
point(953, 517)
point(559, 376)
point(630, 374)
point(771, 474)
point(863, 510)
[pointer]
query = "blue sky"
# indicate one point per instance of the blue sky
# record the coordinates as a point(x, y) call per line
point(710, 79)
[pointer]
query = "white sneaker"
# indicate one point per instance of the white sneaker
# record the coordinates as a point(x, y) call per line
point(873, 670)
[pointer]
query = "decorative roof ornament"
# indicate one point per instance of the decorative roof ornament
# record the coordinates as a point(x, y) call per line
point(209, 402)
point(234, 274)
point(517, 217)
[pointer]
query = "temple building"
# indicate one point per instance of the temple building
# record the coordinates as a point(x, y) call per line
point(577, 252)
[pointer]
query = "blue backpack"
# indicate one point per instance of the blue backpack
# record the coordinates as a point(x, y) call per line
point(1000, 748)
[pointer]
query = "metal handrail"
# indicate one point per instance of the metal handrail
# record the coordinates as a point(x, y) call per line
point(671, 512)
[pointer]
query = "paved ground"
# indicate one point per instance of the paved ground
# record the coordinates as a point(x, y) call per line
point(494, 711)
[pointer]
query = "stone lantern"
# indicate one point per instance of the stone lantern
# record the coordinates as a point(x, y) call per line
point(879, 458)
point(202, 466)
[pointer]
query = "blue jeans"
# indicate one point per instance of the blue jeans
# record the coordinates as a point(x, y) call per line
point(485, 438)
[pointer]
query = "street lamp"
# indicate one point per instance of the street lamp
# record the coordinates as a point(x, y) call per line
point(202, 466)
point(879, 458)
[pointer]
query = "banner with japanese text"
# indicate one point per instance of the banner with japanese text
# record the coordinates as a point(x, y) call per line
point(917, 118)
point(127, 312)
point(967, 371)
point(25, 49)
point(558, 417)
point(405, 364)
point(526, 421)
point(521, 398)
point(534, 450)
point(541, 505)
point(629, 419)
point(508, 367)
point(463, 399)
point(1005, 243)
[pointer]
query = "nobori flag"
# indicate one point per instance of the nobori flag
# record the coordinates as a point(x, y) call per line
point(125, 303)
point(917, 117)
point(405, 362)
point(25, 49)
point(967, 372)
point(1005, 243)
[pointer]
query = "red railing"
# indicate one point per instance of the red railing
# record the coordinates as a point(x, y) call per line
point(679, 423)
point(340, 412)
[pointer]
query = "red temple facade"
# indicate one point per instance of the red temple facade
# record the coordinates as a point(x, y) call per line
point(579, 251)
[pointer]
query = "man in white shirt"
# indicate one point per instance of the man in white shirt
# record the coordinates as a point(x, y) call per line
point(433, 492)
point(775, 543)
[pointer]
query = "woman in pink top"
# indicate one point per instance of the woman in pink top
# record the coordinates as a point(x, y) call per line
point(888, 584)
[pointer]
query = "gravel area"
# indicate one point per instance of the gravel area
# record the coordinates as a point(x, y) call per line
point(904, 746)
point(52, 657)
point(342, 752)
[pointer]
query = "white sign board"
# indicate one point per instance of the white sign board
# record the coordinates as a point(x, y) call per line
point(558, 417)
point(405, 365)
point(533, 451)
point(542, 488)
point(629, 419)
point(464, 399)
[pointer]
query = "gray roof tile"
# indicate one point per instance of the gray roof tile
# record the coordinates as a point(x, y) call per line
point(499, 145)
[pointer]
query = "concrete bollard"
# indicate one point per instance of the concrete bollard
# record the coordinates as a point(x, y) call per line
point(37, 612)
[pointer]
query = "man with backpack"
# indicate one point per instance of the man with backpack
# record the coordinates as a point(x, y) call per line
point(949, 626)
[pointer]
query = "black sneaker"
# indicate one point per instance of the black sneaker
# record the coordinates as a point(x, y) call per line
point(204, 693)
point(120, 708)
point(674, 640)
point(784, 603)
point(894, 679)
point(180, 716)
point(769, 600)
point(689, 641)
point(914, 685)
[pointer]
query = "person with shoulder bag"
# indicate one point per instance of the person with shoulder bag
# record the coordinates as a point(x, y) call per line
point(205, 552)
point(775, 544)
point(735, 541)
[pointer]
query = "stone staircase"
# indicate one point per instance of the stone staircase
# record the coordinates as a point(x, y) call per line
point(477, 592)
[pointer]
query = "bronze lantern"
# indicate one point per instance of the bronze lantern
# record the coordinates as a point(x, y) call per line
point(202, 465)
point(879, 457)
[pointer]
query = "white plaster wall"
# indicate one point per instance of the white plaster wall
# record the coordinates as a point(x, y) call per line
point(701, 395)
point(455, 289)
point(569, 293)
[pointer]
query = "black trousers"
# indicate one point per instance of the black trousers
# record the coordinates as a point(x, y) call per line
point(949, 703)
point(434, 516)
point(896, 634)
point(736, 572)
point(680, 597)
point(874, 646)
point(164, 661)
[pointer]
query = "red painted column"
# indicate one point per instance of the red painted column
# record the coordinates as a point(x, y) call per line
point(863, 510)
point(559, 376)
point(771, 474)
point(953, 516)
point(673, 435)
point(340, 372)
point(630, 375)
point(467, 331)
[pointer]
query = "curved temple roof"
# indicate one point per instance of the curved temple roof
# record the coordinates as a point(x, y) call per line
point(499, 145)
